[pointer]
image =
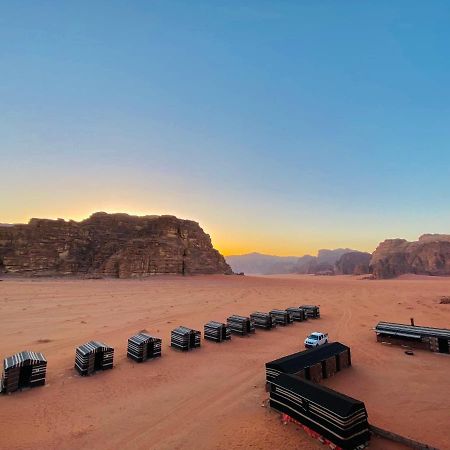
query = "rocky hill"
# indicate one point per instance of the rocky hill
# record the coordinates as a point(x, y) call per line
point(353, 263)
point(430, 255)
point(116, 245)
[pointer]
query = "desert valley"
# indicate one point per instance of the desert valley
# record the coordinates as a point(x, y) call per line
point(214, 396)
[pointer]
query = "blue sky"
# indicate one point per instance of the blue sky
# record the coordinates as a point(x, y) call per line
point(281, 126)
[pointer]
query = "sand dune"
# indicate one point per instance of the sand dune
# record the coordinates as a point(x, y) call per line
point(211, 398)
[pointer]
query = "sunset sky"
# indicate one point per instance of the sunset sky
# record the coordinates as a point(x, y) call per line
point(281, 126)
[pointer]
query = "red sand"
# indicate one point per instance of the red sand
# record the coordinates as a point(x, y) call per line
point(211, 398)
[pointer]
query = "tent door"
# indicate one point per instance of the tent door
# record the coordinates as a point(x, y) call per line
point(98, 364)
point(149, 350)
point(25, 376)
point(223, 332)
point(192, 340)
point(443, 345)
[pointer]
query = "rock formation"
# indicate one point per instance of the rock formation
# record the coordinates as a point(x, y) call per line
point(430, 255)
point(117, 245)
point(353, 263)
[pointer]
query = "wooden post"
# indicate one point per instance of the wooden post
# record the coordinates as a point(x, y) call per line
point(412, 321)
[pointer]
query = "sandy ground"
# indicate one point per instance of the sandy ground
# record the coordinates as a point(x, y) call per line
point(211, 398)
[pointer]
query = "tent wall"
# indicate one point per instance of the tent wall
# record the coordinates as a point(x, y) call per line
point(185, 339)
point(93, 356)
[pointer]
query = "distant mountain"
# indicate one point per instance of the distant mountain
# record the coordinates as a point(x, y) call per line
point(257, 263)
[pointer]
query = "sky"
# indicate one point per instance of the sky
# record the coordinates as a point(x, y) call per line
point(280, 126)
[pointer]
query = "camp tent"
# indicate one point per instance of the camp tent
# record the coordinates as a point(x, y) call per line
point(184, 338)
point(24, 369)
point(93, 356)
point(142, 347)
point(263, 320)
point(298, 314)
point(337, 417)
point(312, 364)
point(217, 331)
point(282, 316)
point(241, 325)
point(427, 338)
point(312, 311)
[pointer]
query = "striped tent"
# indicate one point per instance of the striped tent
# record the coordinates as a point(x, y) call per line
point(93, 356)
point(281, 316)
point(184, 338)
point(312, 364)
point(335, 416)
point(427, 338)
point(217, 331)
point(312, 311)
point(241, 325)
point(142, 347)
point(263, 320)
point(24, 369)
point(298, 314)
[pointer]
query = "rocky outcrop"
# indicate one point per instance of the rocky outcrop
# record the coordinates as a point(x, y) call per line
point(117, 245)
point(353, 263)
point(430, 255)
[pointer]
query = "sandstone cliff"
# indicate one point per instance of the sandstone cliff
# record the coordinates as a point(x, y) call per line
point(353, 263)
point(430, 255)
point(116, 245)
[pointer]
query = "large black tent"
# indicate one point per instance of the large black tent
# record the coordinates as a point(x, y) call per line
point(434, 339)
point(24, 369)
point(312, 364)
point(241, 325)
point(281, 316)
point(337, 417)
point(263, 320)
point(184, 338)
point(93, 356)
point(217, 331)
point(142, 346)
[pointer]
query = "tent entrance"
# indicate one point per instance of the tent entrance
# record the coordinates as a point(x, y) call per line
point(25, 376)
point(443, 345)
point(223, 333)
point(149, 349)
point(247, 326)
point(191, 340)
point(98, 361)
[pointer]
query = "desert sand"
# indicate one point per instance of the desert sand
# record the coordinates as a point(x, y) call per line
point(211, 398)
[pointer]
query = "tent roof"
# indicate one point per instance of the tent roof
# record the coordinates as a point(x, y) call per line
point(23, 358)
point(298, 361)
point(336, 402)
point(141, 338)
point(93, 346)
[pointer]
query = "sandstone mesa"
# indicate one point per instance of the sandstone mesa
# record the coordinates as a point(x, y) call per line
point(113, 245)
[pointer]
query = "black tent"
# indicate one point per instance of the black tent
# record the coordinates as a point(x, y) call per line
point(217, 331)
point(312, 311)
point(282, 316)
point(337, 417)
point(24, 369)
point(241, 325)
point(184, 338)
point(312, 364)
point(298, 314)
point(93, 356)
point(263, 320)
point(434, 339)
point(142, 346)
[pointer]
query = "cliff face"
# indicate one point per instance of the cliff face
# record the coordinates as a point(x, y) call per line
point(116, 245)
point(430, 255)
point(353, 263)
